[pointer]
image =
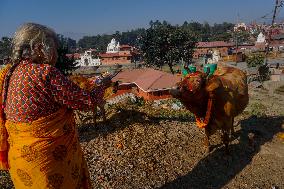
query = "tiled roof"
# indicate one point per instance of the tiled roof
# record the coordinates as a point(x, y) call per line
point(75, 55)
point(125, 46)
point(69, 55)
point(148, 79)
point(214, 44)
point(105, 55)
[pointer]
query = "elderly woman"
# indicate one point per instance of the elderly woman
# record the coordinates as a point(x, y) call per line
point(38, 139)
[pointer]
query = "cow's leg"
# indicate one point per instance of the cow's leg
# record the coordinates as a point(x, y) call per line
point(232, 128)
point(226, 140)
point(102, 108)
point(206, 139)
point(78, 120)
point(95, 115)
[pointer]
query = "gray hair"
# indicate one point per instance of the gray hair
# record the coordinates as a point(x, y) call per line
point(31, 41)
point(34, 41)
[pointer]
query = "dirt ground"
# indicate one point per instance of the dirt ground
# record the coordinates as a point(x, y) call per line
point(143, 147)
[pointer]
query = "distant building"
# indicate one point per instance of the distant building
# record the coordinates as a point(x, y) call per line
point(276, 43)
point(76, 56)
point(240, 27)
point(204, 48)
point(260, 44)
point(113, 46)
point(147, 83)
point(261, 38)
point(87, 59)
point(118, 54)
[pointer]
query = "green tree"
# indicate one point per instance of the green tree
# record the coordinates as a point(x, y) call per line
point(164, 44)
point(5, 47)
point(67, 42)
point(221, 32)
point(254, 60)
point(241, 37)
point(100, 42)
point(64, 64)
point(257, 60)
point(205, 32)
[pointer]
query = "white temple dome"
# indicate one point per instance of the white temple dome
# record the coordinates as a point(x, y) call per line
point(113, 46)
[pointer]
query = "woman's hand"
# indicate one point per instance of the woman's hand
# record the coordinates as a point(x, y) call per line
point(106, 82)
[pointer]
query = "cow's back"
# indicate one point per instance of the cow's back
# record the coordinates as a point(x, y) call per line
point(234, 88)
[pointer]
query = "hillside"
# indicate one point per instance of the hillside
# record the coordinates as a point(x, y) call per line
point(152, 146)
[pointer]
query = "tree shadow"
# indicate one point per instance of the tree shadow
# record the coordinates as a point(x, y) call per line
point(122, 119)
point(216, 170)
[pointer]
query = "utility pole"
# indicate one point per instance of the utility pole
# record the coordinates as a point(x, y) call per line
point(236, 38)
point(270, 29)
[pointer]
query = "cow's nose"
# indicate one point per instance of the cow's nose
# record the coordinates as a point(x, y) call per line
point(175, 91)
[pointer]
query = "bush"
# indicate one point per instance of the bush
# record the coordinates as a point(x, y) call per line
point(254, 60)
point(258, 109)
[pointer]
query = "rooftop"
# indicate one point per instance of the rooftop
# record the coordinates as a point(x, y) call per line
point(148, 79)
point(125, 46)
point(75, 56)
point(105, 55)
point(214, 44)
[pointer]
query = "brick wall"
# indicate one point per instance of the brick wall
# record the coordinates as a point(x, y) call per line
point(202, 51)
point(114, 60)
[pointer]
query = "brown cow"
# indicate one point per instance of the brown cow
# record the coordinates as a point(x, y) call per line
point(88, 84)
point(214, 100)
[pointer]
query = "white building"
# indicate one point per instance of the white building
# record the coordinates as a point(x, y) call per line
point(260, 38)
point(240, 27)
point(113, 46)
point(88, 60)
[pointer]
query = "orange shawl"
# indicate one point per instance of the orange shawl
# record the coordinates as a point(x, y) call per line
point(4, 147)
point(44, 153)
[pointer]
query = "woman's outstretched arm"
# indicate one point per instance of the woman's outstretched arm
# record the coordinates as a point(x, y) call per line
point(67, 93)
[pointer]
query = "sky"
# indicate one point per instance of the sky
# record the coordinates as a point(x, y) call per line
point(76, 18)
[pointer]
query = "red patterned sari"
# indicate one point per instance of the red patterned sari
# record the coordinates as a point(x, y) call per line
point(39, 142)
